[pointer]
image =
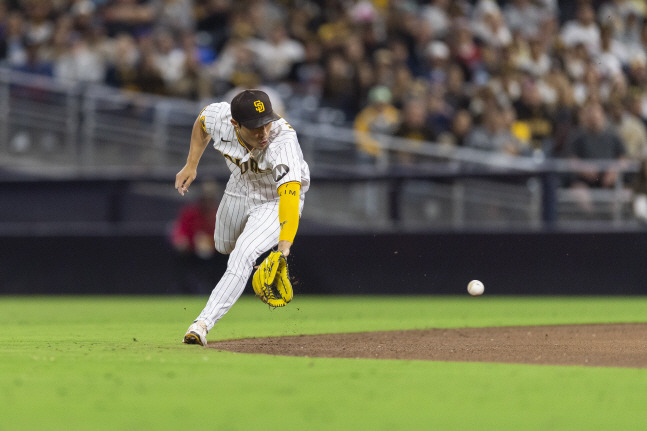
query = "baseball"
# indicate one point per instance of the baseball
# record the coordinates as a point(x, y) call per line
point(475, 288)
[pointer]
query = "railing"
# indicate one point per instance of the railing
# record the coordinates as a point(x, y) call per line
point(53, 129)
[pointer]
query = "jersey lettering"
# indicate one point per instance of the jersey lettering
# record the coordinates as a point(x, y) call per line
point(249, 165)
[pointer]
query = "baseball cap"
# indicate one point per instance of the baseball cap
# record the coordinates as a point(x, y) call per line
point(252, 109)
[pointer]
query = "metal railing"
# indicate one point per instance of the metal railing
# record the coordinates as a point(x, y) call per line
point(54, 129)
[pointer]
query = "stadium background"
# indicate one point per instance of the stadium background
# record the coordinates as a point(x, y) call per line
point(391, 101)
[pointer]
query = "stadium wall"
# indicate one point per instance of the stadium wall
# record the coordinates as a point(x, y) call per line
point(610, 263)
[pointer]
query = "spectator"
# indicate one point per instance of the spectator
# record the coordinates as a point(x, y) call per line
point(518, 52)
point(212, 19)
point(582, 30)
point(533, 113)
point(439, 112)
point(437, 62)
point(192, 240)
point(169, 58)
point(192, 82)
point(459, 131)
point(82, 57)
point(520, 131)
point(39, 28)
point(490, 26)
point(340, 90)
point(574, 61)
point(308, 75)
point(493, 133)
point(625, 19)
point(368, 23)
point(630, 129)
point(590, 86)
point(277, 53)
point(506, 84)
point(123, 62)
point(235, 65)
point(464, 49)
point(595, 140)
point(488, 67)
point(614, 13)
point(457, 91)
point(436, 13)
point(632, 49)
point(149, 79)
point(524, 17)
point(414, 127)
point(375, 122)
point(612, 55)
point(15, 52)
point(299, 22)
point(34, 61)
point(403, 85)
point(635, 103)
point(636, 72)
point(563, 110)
point(538, 62)
point(174, 16)
point(128, 16)
point(384, 72)
point(343, 49)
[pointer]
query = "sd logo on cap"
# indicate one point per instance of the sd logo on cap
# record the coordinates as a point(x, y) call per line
point(253, 109)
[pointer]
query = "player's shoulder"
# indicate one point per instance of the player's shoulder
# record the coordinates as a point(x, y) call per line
point(283, 131)
point(283, 140)
point(216, 119)
point(217, 109)
point(282, 135)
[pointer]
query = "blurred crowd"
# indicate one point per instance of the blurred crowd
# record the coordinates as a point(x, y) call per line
point(515, 76)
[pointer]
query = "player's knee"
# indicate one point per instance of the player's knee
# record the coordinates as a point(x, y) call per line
point(223, 248)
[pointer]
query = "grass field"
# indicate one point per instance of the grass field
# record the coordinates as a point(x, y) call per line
point(116, 363)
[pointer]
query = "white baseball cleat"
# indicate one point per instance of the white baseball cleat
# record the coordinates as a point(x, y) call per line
point(196, 334)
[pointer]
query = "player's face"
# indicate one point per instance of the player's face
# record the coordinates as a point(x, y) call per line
point(256, 138)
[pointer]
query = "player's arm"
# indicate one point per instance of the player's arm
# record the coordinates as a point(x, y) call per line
point(288, 214)
point(199, 141)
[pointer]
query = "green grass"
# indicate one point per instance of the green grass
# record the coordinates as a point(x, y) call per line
point(116, 363)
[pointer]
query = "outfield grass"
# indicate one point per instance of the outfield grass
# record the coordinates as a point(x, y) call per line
point(116, 363)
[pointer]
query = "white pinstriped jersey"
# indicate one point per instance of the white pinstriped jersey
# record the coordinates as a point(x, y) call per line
point(247, 223)
point(259, 173)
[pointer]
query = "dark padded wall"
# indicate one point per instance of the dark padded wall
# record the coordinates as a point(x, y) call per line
point(442, 263)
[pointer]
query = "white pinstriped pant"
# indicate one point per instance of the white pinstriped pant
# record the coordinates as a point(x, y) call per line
point(244, 233)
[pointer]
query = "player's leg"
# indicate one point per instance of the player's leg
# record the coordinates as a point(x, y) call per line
point(230, 221)
point(260, 234)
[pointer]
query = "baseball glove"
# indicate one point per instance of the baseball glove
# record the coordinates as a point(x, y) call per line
point(271, 281)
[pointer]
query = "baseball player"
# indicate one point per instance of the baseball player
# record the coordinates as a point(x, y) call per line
point(263, 198)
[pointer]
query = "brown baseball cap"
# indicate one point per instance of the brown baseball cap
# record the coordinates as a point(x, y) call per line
point(252, 109)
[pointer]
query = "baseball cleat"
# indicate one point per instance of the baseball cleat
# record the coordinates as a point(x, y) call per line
point(196, 334)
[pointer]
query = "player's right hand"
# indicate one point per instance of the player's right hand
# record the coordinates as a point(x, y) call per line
point(184, 178)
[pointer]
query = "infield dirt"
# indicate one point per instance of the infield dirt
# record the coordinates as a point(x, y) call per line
point(600, 345)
